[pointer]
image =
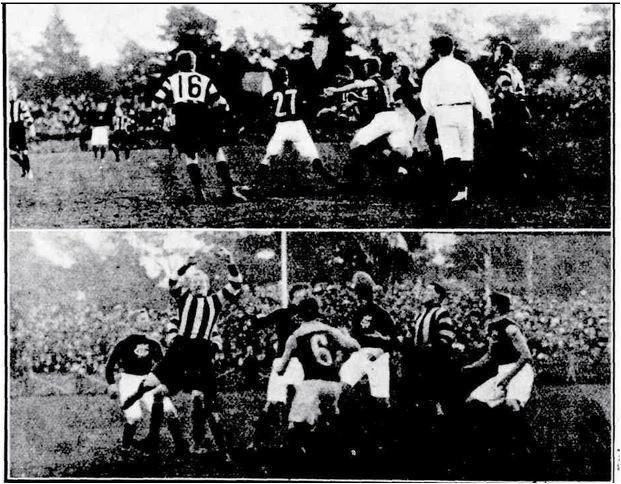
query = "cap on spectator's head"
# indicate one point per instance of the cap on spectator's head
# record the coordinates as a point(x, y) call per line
point(363, 284)
point(501, 301)
point(440, 289)
point(308, 309)
point(186, 60)
point(443, 45)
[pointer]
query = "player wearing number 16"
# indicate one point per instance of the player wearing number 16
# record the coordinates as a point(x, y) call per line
point(287, 108)
point(199, 112)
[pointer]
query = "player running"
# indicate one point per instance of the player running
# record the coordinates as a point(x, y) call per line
point(20, 121)
point(196, 105)
point(187, 364)
point(316, 345)
point(390, 118)
point(287, 107)
point(122, 123)
point(135, 356)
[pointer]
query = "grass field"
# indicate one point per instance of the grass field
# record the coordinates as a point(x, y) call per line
point(79, 436)
point(73, 190)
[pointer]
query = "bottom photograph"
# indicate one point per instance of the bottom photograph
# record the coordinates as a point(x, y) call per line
point(322, 355)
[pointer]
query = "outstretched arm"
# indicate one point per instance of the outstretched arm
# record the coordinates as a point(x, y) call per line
point(519, 343)
point(234, 285)
point(290, 346)
point(354, 86)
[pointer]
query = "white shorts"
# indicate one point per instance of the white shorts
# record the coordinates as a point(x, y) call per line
point(295, 132)
point(519, 388)
point(377, 371)
point(99, 136)
point(128, 385)
point(309, 397)
point(277, 385)
point(455, 126)
point(398, 125)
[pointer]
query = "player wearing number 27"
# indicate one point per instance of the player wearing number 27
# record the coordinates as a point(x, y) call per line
point(287, 107)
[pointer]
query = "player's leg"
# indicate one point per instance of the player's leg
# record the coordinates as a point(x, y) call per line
point(359, 150)
point(464, 170)
point(307, 149)
point(198, 422)
point(128, 385)
point(126, 143)
point(114, 145)
point(196, 177)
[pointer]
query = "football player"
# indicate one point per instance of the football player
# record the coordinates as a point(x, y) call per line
point(509, 355)
point(20, 121)
point(287, 107)
point(122, 123)
point(198, 108)
point(101, 120)
point(135, 357)
point(168, 128)
point(188, 362)
point(316, 345)
point(390, 119)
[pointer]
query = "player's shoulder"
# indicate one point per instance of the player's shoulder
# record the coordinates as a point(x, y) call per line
point(316, 326)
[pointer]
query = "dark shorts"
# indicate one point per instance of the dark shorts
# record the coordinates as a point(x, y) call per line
point(17, 137)
point(187, 366)
point(120, 137)
point(195, 130)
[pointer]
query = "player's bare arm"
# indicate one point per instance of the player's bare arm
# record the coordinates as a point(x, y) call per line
point(519, 343)
point(354, 86)
point(290, 346)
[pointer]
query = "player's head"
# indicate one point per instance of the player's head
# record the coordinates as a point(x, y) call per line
point(197, 281)
point(280, 77)
point(499, 303)
point(363, 285)
point(503, 53)
point(434, 293)
point(186, 60)
point(345, 76)
point(171, 330)
point(298, 292)
point(443, 45)
point(308, 309)
point(12, 91)
point(371, 66)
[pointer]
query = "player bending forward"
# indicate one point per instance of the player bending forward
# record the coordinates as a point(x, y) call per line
point(196, 104)
point(135, 356)
point(287, 107)
point(316, 346)
point(187, 364)
point(391, 118)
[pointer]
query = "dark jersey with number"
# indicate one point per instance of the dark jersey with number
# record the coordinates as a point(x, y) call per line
point(317, 345)
point(101, 118)
point(135, 355)
point(285, 104)
point(369, 320)
point(379, 98)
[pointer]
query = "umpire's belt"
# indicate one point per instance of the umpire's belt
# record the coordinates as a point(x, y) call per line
point(466, 103)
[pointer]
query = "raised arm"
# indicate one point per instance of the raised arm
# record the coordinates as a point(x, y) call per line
point(234, 285)
point(175, 288)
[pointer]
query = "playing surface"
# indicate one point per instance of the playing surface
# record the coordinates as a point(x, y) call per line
point(80, 436)
point(73, 190)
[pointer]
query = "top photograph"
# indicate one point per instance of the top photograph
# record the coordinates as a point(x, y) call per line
point(308, 116)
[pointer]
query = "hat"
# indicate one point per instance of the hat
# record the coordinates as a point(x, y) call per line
point(500, 300)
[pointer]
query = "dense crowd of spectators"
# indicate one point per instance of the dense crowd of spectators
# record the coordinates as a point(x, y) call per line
point(569, 339)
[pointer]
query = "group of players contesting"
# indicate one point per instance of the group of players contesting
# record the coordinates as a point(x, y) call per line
point(400, 113)
point(322, 373)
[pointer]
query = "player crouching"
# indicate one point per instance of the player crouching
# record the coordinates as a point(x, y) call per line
point(316, 346)
point(287, 108)
point(135, 356)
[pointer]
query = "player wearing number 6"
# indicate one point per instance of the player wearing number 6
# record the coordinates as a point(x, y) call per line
point(287, 108)
point(197, 105)
point(316, 345)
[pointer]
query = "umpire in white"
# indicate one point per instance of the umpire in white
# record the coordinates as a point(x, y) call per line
point(450, 89)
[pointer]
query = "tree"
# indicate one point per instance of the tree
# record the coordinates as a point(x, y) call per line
point(189, 28)
point(240, 42)
point(136, 65)
point(325, 21)
point(59, 52)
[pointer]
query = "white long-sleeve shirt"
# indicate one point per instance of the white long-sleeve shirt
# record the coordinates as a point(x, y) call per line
point(452, 82)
